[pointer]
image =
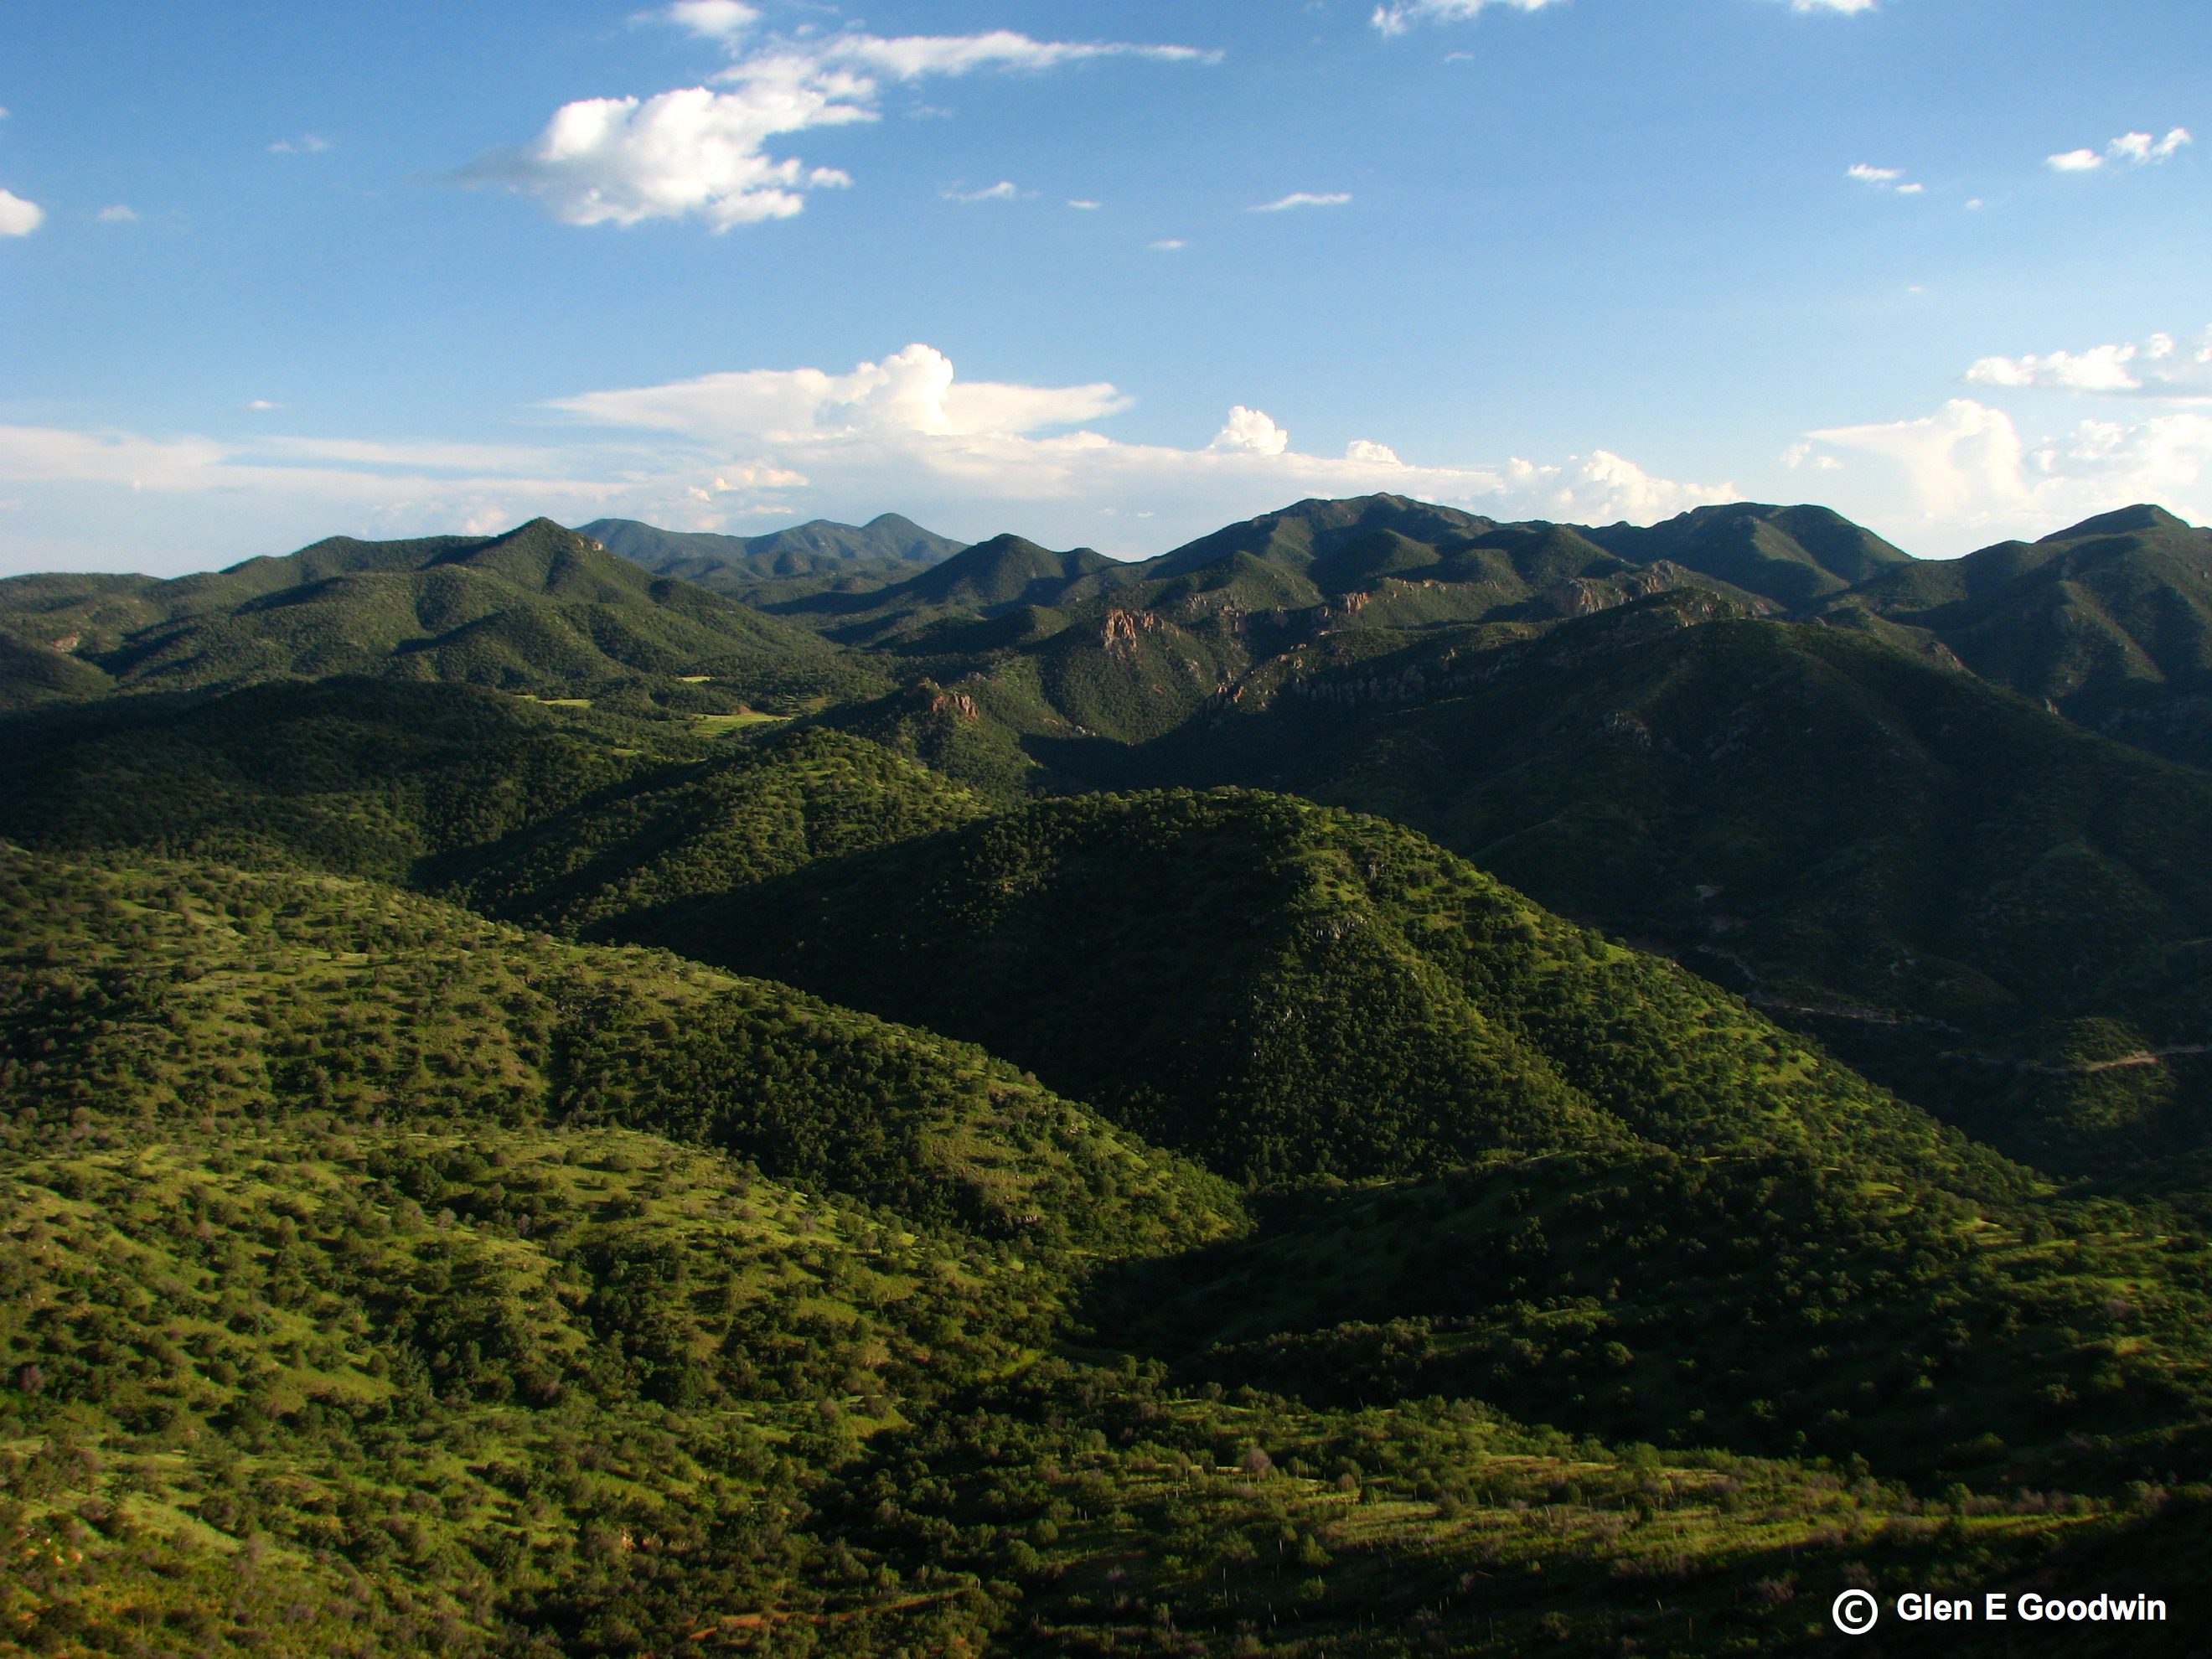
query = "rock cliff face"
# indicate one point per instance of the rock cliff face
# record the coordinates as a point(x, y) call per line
point(1123, 627)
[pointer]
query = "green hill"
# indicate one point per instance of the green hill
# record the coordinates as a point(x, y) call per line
point(1794, 556)
point(1286, 992)
point(356, 776)
point(2109, 623)
point(539, 609)
point(819, 557)
point(1984, 903)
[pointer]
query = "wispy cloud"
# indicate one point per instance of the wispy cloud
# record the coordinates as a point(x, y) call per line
point(17, 216)
point(1397, 17)
point(2134, 149)
point(1004, 191)
point(1847, 8)
point(718, 20)
point(1891, 180)
point(701, 152)
point(1302, 199)
point(1167, 245)
point(116, 213)
point(307, 143)
point(1085, 204)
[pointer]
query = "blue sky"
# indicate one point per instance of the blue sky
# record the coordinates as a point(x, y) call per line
point(1103, 274)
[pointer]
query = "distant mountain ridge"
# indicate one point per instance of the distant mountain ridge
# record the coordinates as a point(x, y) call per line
point(821, 551)
point(538, 609)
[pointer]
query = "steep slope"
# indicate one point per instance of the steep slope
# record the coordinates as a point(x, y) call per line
point(1288, 992)
point(705, 826)
point(2109, 621)
point(1983, 900)
point(1794, 556)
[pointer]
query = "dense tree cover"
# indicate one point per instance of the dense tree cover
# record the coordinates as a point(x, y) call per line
point(540, 608)
point(2110, 623)
point(356, 776)
point(706, 827)
point(378, 1276)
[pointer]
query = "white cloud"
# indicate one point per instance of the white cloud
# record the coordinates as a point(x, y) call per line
point(908, 432)
point(2158, 366)
point(307, 143)
point(1969, 477)
point(116, 214)
point(262, 406)
point(1400, 15)
point(1251, 433)
point(17, 216)
point(718, 20)
point(1085, 205)
point(1302, 199)
point(1888, 178)
point(2139, 149)
point(1004, 191)
point(1849, 8)
point(747, 447)
point(908, 57)
point(699, 152)
point(2134, 149)
point(911, 391)
point(1167, 245)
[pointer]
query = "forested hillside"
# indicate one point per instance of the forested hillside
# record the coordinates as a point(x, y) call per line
point(1380, 1083)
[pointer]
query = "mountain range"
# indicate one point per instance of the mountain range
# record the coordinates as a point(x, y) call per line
point(1380, 1082)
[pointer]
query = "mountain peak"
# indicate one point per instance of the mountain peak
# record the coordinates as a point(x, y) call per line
point(2142, 518)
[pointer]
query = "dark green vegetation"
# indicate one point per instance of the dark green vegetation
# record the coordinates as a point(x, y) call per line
point(541, 610)
point(506, 1148)
point(2109, 623)
point(806, 559)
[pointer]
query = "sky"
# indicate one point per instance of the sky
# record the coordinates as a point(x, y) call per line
point(1110, 274)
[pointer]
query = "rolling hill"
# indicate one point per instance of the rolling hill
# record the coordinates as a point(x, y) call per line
point(540, 608)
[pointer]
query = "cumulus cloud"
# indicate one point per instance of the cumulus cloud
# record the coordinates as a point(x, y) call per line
point(907, 430)
point(2135, 149)
point(747, 448)
point(1249, 432)
point(17, 216)
point(1969, 476)
point(702, 151)
point(1302, 199)
point(1395, 18)
point(2158, 366)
